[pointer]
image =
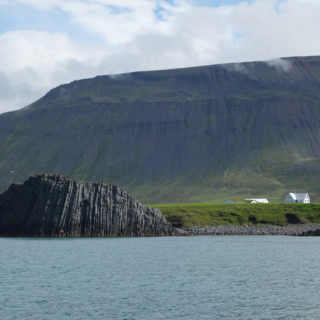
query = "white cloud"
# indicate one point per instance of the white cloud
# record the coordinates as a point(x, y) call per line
point(117, 28)
point(128, 35)
point(33, 62)
point(281, 64)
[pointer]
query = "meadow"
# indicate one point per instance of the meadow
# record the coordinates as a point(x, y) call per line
point(209, 214)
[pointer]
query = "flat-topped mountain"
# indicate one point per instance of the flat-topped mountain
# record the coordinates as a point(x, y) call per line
point(196, 134)
point(55, 206)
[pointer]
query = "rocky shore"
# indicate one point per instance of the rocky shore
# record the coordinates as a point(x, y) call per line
point(56, 206)
point(290, 230)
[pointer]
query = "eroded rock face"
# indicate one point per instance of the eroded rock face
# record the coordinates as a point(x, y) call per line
point(53, 206)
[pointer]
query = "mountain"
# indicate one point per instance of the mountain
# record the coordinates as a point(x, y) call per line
point(55, 206)
point(208, 133)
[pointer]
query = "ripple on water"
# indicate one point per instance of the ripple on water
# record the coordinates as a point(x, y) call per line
point(160, 278)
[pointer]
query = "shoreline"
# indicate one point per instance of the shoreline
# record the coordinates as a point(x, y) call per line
point(224, 230)
point(220, 230)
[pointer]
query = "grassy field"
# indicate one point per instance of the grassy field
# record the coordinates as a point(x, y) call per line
point(208, 214)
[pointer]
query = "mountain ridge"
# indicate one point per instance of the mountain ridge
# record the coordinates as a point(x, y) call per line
point(190, 134)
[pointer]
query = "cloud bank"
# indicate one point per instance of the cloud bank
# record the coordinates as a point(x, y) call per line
point(54, 42)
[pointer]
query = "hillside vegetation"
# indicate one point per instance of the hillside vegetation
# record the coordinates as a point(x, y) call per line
point(210, 214)
point(210, 133)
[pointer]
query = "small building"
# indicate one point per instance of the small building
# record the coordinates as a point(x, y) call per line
point(257, 200)
point(294, 197)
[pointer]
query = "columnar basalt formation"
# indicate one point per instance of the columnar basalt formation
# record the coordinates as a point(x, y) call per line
point(56, 206)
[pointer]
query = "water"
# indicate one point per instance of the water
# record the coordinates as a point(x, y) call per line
point(160, 278)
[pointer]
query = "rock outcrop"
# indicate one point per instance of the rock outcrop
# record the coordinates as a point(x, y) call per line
point(56, 206)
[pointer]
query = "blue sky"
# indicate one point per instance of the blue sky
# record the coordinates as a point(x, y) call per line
point(16, 16)
point(44, 43)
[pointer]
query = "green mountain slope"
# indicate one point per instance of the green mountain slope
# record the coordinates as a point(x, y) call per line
point(196, 134)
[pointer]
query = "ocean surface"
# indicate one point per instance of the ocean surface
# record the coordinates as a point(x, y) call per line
point(226, 277)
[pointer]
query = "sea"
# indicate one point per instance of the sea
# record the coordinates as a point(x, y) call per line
point(205, 277)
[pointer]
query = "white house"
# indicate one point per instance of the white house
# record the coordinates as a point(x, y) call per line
point(294, 197)
point(258, 200)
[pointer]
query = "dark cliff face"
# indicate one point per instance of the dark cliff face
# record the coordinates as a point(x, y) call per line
point(196, 134)
point(52, 206)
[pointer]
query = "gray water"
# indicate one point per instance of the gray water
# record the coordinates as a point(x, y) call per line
point(238, 277)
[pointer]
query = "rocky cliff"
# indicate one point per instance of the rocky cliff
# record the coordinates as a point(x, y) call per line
point(55, 206)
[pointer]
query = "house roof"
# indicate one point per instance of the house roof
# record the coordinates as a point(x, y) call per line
point(299, 196)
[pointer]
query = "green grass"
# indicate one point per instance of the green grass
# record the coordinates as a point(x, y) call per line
point(209, 214)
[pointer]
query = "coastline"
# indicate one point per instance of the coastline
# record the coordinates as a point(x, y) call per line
point(270, 230)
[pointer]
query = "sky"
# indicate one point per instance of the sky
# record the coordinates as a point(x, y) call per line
point(44, 43)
